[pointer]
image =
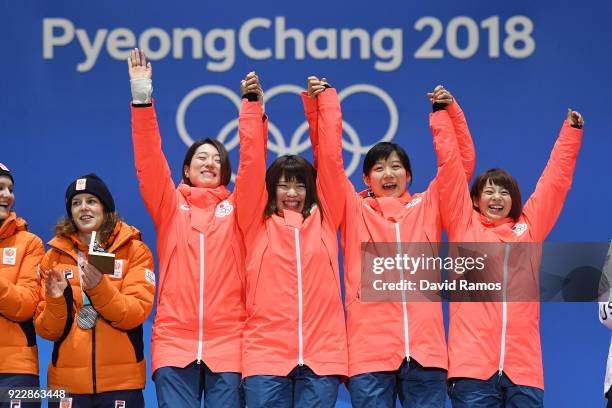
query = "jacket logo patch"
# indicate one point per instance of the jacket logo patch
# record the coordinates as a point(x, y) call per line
point(9, 256)
point(81, 184)
point(66, 403)
point(519, 229)
point(118, 273)
point(184, 207)
point(68, 274)
point(119, 404)
point(224, 209)
point(414, 202)
point(149, 276)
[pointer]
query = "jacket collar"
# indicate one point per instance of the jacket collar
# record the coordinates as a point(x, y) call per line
point(390, 208)
point(120, 235)
point(203, 197)
point(488, 222)
point(12, 225)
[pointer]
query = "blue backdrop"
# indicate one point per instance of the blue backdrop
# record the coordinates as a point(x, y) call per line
point(515, 68)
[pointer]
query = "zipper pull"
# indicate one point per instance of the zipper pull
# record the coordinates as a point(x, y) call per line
point(198, 361)
point(500, 372)
point(300, 362)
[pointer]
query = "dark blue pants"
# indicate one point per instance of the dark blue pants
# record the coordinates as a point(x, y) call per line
point(416, 386)
point(496, 392)
point(15, 382)
point(182, 387)
point(301, 388)
point(111, 399)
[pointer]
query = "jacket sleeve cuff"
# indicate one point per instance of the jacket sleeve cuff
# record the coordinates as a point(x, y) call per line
point(56, 306)
point(251, 108)
point(102, 294)
point(328, 97)
point(454, 109)
point(310, 104)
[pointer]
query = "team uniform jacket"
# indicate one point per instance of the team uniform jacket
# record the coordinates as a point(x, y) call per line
point(294, 303)
point(21, 252)
point(109, 357)
point(489, 337)
point(200, 302)
point(382, 334)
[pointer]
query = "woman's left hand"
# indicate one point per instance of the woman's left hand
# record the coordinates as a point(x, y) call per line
point(440, 95)
point(575, 118)
point(91, 276)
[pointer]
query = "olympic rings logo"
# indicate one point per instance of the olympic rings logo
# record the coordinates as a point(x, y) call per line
point(276, 141)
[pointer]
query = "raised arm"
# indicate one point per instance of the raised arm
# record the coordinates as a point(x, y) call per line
point(442, 98)
point(250, 184)
point(545, 204)
point(451, 182)
point(330, 168)
point(156, 185)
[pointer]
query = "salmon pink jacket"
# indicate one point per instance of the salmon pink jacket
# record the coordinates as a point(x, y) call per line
point(494, 337)
point(382, 334)
point(294, 303)
point(21, 253)
point(200, 300)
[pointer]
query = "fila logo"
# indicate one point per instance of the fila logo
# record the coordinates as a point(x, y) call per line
point(414, 202)
point(68, 274)
point(519, 229)
point(9, 256)
point(223, 209)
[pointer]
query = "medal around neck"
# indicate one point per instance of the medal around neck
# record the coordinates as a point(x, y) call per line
point(87, 317)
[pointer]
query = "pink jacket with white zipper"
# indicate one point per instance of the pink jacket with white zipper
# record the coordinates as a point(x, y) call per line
point(489, 337)
point(382, 334)
point(294, 303)
point(200, 301)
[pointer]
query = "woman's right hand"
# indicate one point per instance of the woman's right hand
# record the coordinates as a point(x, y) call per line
point(138, 67)
point(55, 283)
point(251, 85)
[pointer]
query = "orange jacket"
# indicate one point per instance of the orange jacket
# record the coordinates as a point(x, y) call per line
point(21, 253)
point(505, 336)
point(109, 357)
point(294, 303)
point(200, 302)
point(382, 334)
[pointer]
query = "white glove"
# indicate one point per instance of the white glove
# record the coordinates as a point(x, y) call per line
point(142, 89)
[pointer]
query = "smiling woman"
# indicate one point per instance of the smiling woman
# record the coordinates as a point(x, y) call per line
point(94, 319)
point(197, 241)
point(21, 252)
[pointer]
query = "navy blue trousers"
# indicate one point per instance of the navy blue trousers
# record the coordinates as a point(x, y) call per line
point(496, 392)
point(110, 399)
point(183, 387)
point(301, 388)
point(415, 385)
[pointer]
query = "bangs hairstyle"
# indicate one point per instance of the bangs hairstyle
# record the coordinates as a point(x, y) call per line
point(501, 178)
point(226, 167)
point(66, 227)
point(292, 167)
point(382, 151)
